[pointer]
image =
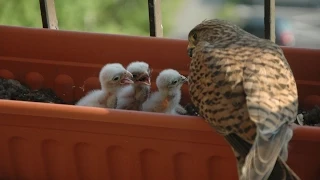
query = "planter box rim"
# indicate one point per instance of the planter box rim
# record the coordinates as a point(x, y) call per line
point(65, 111)
point(146, 119)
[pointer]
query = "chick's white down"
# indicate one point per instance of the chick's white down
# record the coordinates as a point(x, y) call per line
point(112, 77)
point(168, 96)
point(131, 97)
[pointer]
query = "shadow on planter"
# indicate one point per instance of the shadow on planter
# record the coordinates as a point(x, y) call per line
point(49, 141)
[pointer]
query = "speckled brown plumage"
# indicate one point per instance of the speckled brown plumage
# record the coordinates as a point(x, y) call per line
point(244, 88)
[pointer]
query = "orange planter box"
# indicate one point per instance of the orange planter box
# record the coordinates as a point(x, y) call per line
point(52, 141)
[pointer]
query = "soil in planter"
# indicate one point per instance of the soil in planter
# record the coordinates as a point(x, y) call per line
point(191, 110)
point(14, 90)
point(311, 117)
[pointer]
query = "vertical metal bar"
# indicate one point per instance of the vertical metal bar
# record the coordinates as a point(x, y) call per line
point(48, 14)
point(269, 20)
point(155, 19)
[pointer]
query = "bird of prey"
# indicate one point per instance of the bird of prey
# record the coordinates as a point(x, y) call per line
point(244, 88)
point(167, 98)
point(131, 97)
point(112, 77)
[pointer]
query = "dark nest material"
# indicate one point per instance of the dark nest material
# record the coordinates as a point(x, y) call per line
point(14, 90)
point(311, 117)
point(191, 110)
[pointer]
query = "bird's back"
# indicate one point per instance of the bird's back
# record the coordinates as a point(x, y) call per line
point(92, 99)
point(217, 81)
point(154, 103)
point(161, 102)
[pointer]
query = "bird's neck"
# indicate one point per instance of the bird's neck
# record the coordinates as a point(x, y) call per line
point(170, 95)
point(138, 87)
point(141, 92)
point(109, 89)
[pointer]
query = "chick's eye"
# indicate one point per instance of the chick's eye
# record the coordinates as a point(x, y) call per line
point(116, 78)
point(134, 75)
point(174, 82)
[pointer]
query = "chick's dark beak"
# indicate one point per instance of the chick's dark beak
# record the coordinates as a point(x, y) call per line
point(190, 51)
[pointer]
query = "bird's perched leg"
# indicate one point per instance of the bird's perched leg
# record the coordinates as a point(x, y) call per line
point(240, 152)
point(240, 161)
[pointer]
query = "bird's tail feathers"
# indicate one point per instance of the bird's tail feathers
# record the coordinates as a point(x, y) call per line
point(264, 154)
point(278, 170)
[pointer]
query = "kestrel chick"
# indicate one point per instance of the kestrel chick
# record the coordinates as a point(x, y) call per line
point(131, 97)
point(244, 88)
point(112, 77)
point(168, 96)
point(181, 110)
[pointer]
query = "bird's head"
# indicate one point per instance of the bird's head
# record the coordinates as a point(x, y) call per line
point(113, 76)
point(213, 31)
point(141, 72)
point(170, 80)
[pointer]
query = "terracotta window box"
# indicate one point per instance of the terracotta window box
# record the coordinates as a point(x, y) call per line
point(53, 141)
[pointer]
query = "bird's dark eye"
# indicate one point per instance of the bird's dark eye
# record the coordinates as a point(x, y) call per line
point(116, 78)
point(174, 82)
point(194, 36)
point(134, 75)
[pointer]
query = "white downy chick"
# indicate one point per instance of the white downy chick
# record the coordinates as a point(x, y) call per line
point(168, 96)
point(131, 97)
point(112, 77)
point(181, 110)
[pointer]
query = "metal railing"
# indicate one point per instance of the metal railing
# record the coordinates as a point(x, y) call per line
point(48, 14)
point(49, 17)
point(269, 20)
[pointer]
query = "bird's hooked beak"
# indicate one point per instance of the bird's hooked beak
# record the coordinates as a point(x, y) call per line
point(190, 49)
point(183, 79)
point(144, 78)
point(126, 78)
